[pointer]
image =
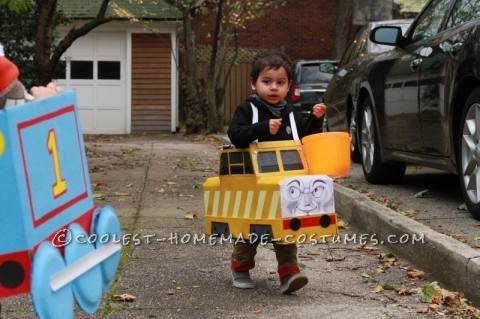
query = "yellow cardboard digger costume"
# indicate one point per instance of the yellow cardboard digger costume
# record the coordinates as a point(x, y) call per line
point(273, 187)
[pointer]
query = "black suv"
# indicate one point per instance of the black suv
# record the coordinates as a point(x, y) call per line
point(309, 82)
point(421, 102)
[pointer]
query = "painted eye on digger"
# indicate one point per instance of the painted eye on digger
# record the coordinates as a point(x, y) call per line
point(294, 192)
point(317, 192)
point(318, 187)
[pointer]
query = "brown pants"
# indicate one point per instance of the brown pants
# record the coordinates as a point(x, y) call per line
point(243, 258)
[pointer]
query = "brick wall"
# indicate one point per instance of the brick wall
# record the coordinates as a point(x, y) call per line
point(304, 29)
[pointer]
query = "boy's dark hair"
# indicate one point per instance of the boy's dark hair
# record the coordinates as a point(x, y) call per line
point(272, 60)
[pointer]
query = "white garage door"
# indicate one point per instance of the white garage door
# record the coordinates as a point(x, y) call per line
point(96, 69)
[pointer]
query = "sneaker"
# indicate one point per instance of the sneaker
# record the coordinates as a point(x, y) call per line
point(242, 280)
point(292, 283)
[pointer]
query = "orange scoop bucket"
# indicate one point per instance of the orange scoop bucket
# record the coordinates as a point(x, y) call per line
point(328, 153)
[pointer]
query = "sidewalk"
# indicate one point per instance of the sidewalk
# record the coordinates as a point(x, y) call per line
point(155, 185)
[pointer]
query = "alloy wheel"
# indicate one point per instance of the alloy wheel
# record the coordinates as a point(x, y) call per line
point(367, 139)
point(470, 153)
point(353, 134)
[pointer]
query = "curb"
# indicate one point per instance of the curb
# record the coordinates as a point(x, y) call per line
point(455, 264)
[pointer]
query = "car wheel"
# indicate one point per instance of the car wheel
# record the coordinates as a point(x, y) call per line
point(374, 170)
point(469, 154)
point(354, 149)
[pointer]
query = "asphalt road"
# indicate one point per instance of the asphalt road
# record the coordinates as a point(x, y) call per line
point(429, 196)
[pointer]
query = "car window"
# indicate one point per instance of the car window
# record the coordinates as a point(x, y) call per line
point(328, 68)
point(312, 73)
point(463, 12)
point(429, 23)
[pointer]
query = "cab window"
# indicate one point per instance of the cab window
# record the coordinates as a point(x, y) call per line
point(235, 163)
point(291, 160)
point(267, 162)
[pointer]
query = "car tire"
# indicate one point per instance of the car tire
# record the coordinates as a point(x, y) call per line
point(374, 170)
point(469, 153)
point(354, 149)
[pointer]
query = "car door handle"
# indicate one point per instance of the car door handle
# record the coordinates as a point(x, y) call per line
point(456, 47)
point(415, 64)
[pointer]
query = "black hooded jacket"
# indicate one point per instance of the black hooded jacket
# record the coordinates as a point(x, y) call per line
point(242, 132)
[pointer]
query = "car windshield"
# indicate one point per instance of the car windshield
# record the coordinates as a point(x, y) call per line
point(315, 73)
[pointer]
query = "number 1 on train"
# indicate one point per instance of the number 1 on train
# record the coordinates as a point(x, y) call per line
point(60, 185)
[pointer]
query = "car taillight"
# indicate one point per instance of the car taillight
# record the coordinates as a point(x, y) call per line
point(295, 93)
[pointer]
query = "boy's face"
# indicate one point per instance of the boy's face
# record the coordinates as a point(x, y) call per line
point(272, 85)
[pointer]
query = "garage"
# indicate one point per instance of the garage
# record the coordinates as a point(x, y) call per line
point(125, 78)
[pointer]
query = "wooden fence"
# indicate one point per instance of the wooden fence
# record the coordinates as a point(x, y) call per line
point(237, 88)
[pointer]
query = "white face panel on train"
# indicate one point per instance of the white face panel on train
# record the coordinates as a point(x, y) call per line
point(307, 195)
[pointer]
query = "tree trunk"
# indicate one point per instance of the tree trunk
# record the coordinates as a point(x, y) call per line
point(343, 27)
point(46, 55)
point(192, 88)
point(214, 74)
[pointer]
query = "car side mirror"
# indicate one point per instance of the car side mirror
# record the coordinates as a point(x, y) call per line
point(387, 35)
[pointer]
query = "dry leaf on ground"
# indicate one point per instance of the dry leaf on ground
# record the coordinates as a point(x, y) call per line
point(335, 258)
point(191, 215)
point(415, 274)
point(124, 298)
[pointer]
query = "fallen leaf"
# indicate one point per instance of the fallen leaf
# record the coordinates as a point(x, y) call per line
point(421, 194)
point(458, 237)
point(124, 298)
point(463, 207)
point(121, 194)
point(341, 224)
point(335, 258)
point(98, 186)
point(365, 247)
point(391, 258)
point(405, 291)
point(98, 196)
point(415, 274)
point(387, 286)
point(191, 215)
point(433, 308)
point(409, 213)
point(365, 275)
point(377, 288)
point(429, 292)
point(384, 267)
point(452, 300)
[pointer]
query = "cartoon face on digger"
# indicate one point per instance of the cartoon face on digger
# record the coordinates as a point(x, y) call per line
point(307, 196)
point(279, 191)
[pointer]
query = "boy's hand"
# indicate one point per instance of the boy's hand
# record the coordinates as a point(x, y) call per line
point(274, 125)
point(318, 110)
